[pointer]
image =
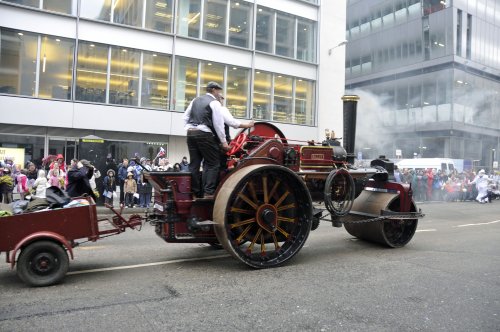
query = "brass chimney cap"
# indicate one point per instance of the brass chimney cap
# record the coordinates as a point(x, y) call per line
point(350, 98)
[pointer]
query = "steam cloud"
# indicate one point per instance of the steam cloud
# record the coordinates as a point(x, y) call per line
point(379, 127)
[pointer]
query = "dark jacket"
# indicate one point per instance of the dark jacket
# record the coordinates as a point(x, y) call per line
point(78, 182)
point(122, 174)
point(32, 175)
point(185, 166)
point(109, 183)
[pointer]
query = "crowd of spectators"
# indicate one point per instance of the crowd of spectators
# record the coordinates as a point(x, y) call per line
point(432, 185)
point(32, 180)
point(427, 185)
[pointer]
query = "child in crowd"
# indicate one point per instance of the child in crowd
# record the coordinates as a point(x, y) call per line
point(130, 188)
point(54, 177)
point(109, 186)
point(40, 184)
point(22, 184)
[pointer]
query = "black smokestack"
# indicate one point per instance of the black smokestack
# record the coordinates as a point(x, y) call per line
point(350, 110)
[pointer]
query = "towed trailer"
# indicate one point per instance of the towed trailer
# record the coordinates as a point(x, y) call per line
point(41, 241)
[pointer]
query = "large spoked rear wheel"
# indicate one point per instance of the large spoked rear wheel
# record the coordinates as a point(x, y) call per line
point(263, 215)
point(42, 263)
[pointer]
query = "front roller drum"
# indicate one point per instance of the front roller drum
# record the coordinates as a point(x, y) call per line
point(263, 215)
point(394, 233)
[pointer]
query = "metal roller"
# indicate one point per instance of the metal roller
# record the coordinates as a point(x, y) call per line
point(394, 233)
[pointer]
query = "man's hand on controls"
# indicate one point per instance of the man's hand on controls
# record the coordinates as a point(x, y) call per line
point(250, 124)
point(225, 146)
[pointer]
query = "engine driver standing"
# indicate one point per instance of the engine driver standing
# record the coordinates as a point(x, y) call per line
point(204, 123)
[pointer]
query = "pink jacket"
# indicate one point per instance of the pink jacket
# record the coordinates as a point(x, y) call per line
point(22, 183)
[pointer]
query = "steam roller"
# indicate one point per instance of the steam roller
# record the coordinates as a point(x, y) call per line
point(273, 191)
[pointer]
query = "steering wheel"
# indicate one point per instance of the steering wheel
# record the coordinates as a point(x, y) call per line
point(237, 143)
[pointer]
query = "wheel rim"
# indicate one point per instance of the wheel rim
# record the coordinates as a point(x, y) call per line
point(399, 232)
point(267, 216)
point(43, 263)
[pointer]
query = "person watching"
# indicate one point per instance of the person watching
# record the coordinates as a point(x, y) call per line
point(78, 180)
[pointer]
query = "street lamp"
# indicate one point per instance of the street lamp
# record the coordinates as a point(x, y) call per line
point(342, 43)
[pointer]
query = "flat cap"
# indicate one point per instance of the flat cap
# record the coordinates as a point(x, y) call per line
point(85, 163)
point(214, 85)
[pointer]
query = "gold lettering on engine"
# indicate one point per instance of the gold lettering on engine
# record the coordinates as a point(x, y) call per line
point(317, 156)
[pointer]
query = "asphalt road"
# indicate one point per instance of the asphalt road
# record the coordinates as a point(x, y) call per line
point(446, 279)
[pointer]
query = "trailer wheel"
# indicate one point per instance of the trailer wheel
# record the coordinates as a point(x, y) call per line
point(42, 263)
point(263, 215)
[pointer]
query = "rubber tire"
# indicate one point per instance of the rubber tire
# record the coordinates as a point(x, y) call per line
point(30, 277)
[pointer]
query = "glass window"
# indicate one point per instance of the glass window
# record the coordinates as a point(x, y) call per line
point(237, 91)
point(159, 15)
point(414, 9)
point(364, 27)
point(215, 20)
point(304, 102)
point(124, 78)
point(285, 33)
point(306, 40)
point(91, 72)
point(401, 97)
point(96, 9)
point(211, 72)
point(388, 16)
point(60, 6)
point(415, 97)
point(17, 62)
point(282, 98)
point(186, 75)
point(240, 23)
point(376, 23)
point(264, 30)
point(31, 3)
point(56, 67)
point(155, 70)
point(400, 11)
point(128, 12)
point(262, 95)
point(469, 37)
point(188, 18)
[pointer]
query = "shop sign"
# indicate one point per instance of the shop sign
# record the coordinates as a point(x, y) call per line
point(17, 155)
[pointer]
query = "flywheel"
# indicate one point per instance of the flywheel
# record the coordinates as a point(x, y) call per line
point(263, 215)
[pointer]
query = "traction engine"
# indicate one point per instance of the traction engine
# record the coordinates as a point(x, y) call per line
point(274, 192)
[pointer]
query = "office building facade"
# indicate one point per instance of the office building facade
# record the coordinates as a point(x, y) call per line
point(121, 73)
point(432, 70)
